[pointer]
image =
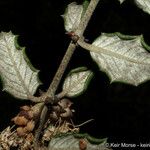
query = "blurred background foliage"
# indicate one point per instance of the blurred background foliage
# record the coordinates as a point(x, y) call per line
point(121, 111)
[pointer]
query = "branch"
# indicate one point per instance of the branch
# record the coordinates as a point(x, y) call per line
point(86, 18)
point(65, 61)
point(80, 30)
point(57, 78)
point(40, 127)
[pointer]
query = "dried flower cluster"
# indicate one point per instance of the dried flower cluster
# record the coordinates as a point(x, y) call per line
point(59, 120)
point(25, 121)
point(62, 109)
point(9, 138)
point(22, 133)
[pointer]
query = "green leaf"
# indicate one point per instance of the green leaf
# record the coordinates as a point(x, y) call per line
point(123, 58)
point(19, 77)
point(77, 81)
point(73, 14)
point(76, 141)
point(144, 5)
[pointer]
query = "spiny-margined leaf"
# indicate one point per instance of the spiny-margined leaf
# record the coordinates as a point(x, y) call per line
point(77, 81)
point(123, 58)
point(144, 5)
point(19, 78)
point(73, 15)
point(77, 142)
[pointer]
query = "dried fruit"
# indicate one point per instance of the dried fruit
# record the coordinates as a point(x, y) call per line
point(20, 131)
point(20, 120)
point(30, 126)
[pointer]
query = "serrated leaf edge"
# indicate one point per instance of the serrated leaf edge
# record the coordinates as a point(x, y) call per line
point(91, 139)
point(19, 48)
point(84, 7)
point(124, 37)
point(66, 11)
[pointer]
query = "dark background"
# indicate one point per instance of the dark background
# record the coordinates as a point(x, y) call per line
point(121, 111)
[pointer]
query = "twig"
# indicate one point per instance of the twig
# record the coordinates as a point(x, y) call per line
point(41, 124)
point(57, 78)
point(87, 16)
point(80, 30)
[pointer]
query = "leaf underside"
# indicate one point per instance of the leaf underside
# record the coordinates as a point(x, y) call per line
point(123, 58)
point(144, 5)
point(77, 81)
point(18, 76)
point(72, 16)
point(71, 142)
